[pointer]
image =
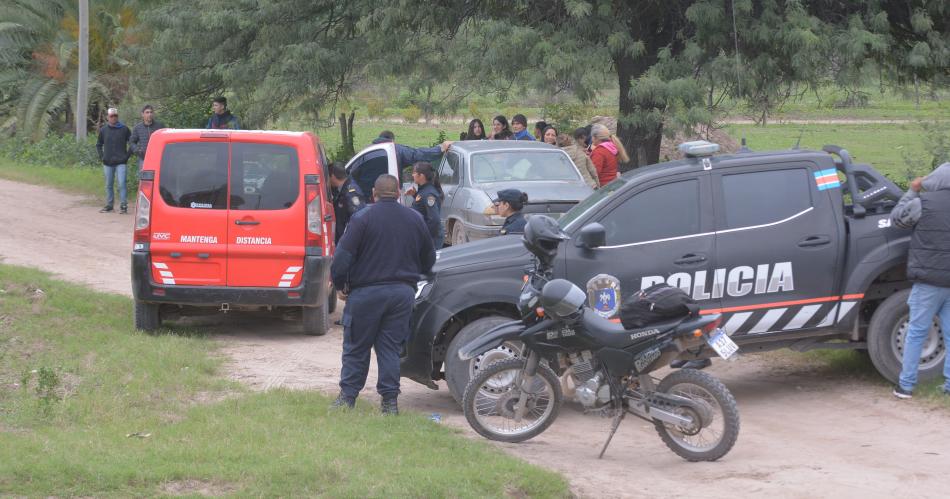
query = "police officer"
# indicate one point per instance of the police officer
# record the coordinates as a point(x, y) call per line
point(377, 264)
point(428, 200)
point(508, 204)
point(347, 198)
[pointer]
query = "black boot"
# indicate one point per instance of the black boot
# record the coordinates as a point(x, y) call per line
point(343, 402)
point(124, 209)
point(106, 209)
point(389, 407)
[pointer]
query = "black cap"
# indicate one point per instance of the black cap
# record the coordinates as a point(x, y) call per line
point(509, 195)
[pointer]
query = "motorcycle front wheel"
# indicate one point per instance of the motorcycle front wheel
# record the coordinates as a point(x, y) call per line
point(715, 418)
point(491, 401)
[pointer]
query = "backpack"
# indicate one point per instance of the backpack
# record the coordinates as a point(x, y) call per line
point(657, 303)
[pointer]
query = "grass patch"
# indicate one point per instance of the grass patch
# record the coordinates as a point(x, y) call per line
point(77, 179)
point(89, 407)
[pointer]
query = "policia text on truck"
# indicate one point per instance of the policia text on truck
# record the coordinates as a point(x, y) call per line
point(794, 248)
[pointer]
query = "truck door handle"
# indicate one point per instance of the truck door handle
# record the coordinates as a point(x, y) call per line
point(246, 222)
point(690, 258)
point(811, 241)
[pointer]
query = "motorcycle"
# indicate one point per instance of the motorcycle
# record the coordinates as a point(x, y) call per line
point(515, 399)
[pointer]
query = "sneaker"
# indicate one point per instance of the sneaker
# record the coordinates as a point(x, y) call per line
point(124, 210)
point(389, 407)
point(691, 364)
point(902, 393)
point(106, 209)
point(343, 402)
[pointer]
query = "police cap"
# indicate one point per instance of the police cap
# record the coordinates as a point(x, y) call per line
point(509, 195)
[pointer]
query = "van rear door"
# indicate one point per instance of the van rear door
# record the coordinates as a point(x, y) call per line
point(267, 221)
point(189, 216)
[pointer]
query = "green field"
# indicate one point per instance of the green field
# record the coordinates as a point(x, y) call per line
point(89, 407)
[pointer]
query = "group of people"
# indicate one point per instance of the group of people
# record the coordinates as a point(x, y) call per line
point(596, 152)
point(117, 143)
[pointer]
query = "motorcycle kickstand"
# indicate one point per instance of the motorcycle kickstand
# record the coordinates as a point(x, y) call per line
point(613, 430)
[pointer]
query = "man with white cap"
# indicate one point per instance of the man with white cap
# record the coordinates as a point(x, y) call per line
point(114, 152)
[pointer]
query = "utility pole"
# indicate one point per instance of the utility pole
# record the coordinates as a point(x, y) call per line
point(82, 91)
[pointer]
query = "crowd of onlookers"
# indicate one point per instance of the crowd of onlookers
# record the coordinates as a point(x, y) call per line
point(596, 152)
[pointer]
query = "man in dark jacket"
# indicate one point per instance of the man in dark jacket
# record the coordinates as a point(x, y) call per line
point(142, 132)
point(221, 117)
point(926, 209)
point(113, 148)
point(347, 199)
point(376, 266)
point(407, 156)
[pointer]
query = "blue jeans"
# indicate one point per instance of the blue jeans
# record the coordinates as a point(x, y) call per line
point(925, 302)
point(375, 317)
point(111, 172)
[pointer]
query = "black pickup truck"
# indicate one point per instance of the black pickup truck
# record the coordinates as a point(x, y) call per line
point(795, 248)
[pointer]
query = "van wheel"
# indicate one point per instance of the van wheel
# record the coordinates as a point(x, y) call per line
point(147, 316)
point(316, 320)
point(886, 334)
point(331, 300)
point(458, 372)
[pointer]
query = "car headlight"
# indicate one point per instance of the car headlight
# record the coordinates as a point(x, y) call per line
point(422, 290)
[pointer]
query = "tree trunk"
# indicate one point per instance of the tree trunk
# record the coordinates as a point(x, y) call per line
point(346, 134)
point(82, 93)
point(643, 146)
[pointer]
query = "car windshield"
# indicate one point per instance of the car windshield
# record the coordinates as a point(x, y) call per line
point(594, 199)
point(504, 166)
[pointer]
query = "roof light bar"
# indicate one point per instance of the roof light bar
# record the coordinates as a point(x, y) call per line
point(698, 148)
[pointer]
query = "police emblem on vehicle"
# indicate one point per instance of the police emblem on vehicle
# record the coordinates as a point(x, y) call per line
point(603, 295)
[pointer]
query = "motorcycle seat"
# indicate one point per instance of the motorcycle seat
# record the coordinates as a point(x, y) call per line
point(614, 335)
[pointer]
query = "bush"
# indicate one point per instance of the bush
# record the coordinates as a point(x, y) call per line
point(53, 151)
point(565, 116)
point(375, 108)
point(192, 112)
point(411, 114)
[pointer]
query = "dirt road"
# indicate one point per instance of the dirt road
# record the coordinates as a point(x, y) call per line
point(805, 432)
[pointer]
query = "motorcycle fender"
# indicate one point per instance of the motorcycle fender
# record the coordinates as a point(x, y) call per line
point(493, 338)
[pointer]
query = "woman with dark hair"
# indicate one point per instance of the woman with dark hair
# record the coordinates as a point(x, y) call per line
point(500, 129)
point(428, 200)
point(549, 135)
point(508, 204)
point(476, 130)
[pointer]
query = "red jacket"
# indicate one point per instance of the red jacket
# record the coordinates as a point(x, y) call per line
point(604, 157)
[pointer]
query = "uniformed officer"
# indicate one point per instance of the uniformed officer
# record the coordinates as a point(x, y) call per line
point(347, 198)
point(508, 204)
point(377, 265)
point(428, 200)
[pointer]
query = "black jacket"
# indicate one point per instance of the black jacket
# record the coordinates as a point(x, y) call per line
point(514, 224)
point(386, 243)
point(113, 144)
point(929, 258)
point(346, 202)
point(140, 135)
point(428, 203)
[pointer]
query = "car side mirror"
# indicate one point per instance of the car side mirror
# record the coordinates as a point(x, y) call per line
point(591, 236)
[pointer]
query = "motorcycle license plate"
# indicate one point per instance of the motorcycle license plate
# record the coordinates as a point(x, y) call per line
point(722, 343)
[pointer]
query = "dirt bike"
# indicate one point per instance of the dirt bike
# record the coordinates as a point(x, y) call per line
point(516, 399)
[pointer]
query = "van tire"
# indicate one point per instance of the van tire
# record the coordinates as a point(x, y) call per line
point(331, 300)
point(886, 323)
point(147, 316)
point(316, 320)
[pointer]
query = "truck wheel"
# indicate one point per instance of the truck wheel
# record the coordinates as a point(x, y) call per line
point(458, 372)
point(316, 320)
point(886, 340)
point(147, 316)
point(331, 300)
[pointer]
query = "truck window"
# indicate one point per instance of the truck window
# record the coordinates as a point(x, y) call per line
point(668, 210)
point(195, 175)
point(757, 198)
point(264, 176)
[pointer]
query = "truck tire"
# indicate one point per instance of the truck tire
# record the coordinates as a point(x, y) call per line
point(458, 372)
point(331, 300)
point(147, 316)
point(886, 341)
point(316, 320)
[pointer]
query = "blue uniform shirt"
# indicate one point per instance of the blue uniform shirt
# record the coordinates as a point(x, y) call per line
point(514, 224)
point(428, 203)
point(347, 201)
point(386, 243)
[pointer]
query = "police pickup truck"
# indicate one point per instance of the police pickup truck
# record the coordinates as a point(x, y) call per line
point(795, 248)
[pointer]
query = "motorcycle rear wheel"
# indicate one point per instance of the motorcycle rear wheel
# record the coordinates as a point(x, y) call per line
point(491, 397)
point(715, 436)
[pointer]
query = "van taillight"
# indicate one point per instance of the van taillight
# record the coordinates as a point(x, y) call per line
point(314, 216)
point(143, 212)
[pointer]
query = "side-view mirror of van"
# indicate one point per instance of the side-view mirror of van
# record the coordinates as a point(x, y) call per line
point(591, 236)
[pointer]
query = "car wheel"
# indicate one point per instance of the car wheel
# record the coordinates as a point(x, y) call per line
point(458, 372)
point(886, 334)
point(458, 234)
point(147, 316)
point(316, 320)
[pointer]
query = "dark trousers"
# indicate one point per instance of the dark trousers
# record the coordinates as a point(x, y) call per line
point(375, 317)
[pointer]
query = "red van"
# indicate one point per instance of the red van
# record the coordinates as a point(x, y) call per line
point(233, 220)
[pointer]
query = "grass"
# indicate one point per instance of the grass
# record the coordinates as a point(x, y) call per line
point(82, 180)
point(89, 407)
